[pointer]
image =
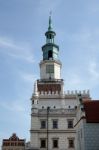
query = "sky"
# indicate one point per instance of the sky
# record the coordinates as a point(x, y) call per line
point(23, 24)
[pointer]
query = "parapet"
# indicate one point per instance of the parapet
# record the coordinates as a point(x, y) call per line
point(84, 92)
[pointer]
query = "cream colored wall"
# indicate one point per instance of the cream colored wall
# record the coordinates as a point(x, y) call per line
point(62, 138)
point(55, 75)
point(34, 140)
point(62, 133)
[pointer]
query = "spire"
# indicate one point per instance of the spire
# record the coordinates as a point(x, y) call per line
point(35, 89)
point(50, 22)
point(50, 33)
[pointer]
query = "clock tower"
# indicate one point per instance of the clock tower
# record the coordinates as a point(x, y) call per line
point(50, 66)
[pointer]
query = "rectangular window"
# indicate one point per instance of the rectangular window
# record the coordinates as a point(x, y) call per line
point(43, 124)
point(49, 68)
point(70, 123)
point(43, 143)
point(55, 124)
point(55, 143)
point(71, 143)
point(12, 144)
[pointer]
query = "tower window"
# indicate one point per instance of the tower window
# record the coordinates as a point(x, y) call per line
point(49, 68)
point(49, 54)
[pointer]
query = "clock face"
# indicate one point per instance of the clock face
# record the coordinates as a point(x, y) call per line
point(49, 68)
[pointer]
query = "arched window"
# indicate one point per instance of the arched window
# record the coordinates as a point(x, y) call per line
point(49, 54)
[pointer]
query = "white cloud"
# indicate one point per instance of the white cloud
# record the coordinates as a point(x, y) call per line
point(16, 50)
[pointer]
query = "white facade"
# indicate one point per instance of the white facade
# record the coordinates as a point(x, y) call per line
point(62, 109)
point(62, 133)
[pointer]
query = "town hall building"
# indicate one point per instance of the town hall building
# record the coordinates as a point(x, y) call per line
point(53, 110)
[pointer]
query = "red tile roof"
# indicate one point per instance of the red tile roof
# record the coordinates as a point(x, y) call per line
point(92, 111)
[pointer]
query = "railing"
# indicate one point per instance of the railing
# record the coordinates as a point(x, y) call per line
point(83, 92)
point(50, 80)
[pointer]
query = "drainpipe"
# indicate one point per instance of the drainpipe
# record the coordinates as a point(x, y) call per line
point(48, 108)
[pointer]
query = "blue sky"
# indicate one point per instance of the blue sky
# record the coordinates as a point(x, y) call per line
point(23, 24)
